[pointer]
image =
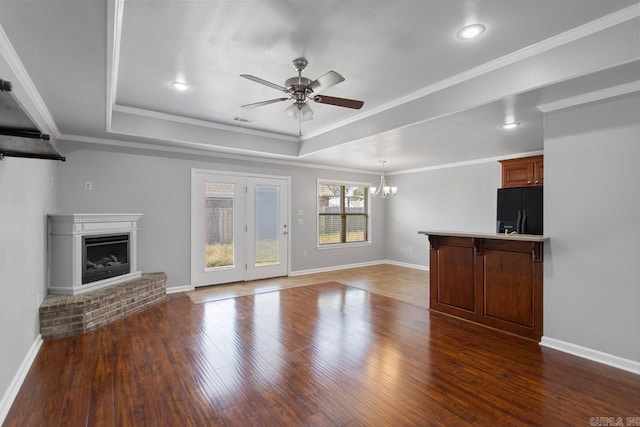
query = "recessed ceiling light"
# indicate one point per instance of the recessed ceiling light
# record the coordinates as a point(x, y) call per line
point(180, 85)
point(471, 31)
point(510, 125)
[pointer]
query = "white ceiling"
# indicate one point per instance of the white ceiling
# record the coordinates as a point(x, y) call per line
point(104, 68)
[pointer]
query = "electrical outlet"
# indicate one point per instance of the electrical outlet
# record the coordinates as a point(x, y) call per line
point(304, 253)
point(88, 185)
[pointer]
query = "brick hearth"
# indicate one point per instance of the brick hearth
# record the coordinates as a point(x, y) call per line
point(64, 315)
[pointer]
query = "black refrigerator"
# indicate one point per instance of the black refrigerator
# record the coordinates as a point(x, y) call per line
point(520, 210)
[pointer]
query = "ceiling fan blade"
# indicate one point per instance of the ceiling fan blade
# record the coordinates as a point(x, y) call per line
point(340, 102)
point(260, 104)
point(325, 81)
point(264, 82)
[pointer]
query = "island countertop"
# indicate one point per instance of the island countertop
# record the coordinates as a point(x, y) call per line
point(495, 236)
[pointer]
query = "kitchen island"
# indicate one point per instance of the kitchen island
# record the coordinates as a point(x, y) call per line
point(491, 279)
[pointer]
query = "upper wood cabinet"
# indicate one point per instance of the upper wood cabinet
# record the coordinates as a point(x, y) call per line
point(523, 172)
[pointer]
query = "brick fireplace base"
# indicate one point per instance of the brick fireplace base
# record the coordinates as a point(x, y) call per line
point(65, 315)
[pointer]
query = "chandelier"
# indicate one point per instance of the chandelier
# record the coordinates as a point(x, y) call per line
point(384, 190)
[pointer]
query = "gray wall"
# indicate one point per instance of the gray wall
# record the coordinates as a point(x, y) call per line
point(158, 184)
point(592, 213)
point(27, 195)
point(459, 198)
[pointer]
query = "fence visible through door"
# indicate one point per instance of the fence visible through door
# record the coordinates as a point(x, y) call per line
point(239, 227)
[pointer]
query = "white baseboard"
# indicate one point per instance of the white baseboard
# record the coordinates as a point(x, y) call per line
point(18, 379)
point(406, 264)
point(595, 355)
point(176, 289)
point(356, 265)
point(335, 267)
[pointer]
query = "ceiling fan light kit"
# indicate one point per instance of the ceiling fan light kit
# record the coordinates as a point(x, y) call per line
point(300, 89)
point(299, 111)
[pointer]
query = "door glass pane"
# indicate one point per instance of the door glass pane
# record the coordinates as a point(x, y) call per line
point(218, 227)
point(267, 227)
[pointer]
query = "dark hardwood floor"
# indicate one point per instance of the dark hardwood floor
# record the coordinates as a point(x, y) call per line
point(319, 355)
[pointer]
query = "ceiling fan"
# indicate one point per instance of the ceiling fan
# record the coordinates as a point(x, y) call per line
point(300, 89)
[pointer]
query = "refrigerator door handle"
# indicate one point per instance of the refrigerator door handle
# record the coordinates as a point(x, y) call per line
point(518, 225)
point(523, 224)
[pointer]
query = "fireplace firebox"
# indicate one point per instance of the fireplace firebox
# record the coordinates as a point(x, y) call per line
point(104, 257)
point(91, 251)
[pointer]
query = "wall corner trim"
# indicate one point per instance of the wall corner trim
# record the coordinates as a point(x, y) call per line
point(591, 354)
point(11, 393)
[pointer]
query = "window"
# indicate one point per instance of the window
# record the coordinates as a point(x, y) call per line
point(343, 213)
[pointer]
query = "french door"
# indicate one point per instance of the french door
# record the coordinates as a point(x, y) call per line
point(239, 227)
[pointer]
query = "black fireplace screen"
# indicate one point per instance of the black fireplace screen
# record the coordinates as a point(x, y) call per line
point(104, 257)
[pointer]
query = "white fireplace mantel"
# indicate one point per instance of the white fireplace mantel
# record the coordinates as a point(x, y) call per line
point(65, 249)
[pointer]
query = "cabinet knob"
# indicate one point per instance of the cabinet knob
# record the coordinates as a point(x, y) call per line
point(528, 182)
point(536, 181)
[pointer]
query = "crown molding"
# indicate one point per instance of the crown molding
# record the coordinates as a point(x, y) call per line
point(585, 98)
point(595, 26)
point(468, 162)
point(208, 153)
point(25, 83)
point(202, 123)
point(290, 162)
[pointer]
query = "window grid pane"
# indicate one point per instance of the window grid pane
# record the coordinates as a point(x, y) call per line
point(343, 213)
point(356, 228)
point(330, 230)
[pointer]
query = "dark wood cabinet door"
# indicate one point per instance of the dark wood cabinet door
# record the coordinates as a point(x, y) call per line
point(522, 172)
point(538, 171)
point(508, 292)
point(456, 284)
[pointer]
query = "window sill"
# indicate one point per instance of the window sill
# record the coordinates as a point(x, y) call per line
point(342, 245)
